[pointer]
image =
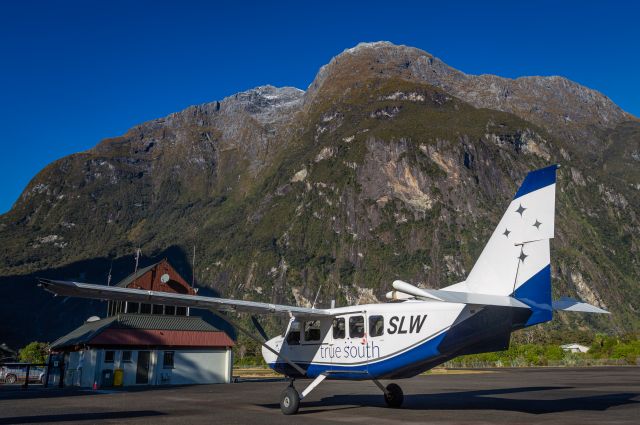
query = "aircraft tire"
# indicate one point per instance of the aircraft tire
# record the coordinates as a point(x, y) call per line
point(290, 401)
point(394, 396)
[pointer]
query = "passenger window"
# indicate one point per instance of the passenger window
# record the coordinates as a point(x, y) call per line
point(356, 326)
point(338, 328)
point(376, 325)
point(312, 330)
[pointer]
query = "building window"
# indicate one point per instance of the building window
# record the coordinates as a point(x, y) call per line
point(126, 356)
point(181, 311)
point(338, 328)
point(170, 310)
point(109, 356)
point(376, 325)
point(312, 330)
point(167, 361)
point(133, 307)
point(145, 308)
point(158, 309)
point(356, 326)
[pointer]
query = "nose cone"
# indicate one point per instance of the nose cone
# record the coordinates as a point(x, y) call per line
point(268, 355)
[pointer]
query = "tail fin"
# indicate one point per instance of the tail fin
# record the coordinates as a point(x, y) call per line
point(516, 260)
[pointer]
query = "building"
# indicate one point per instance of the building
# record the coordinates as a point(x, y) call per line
point(147, 349)
point(574, 348)
point(160, 276)
point(146, 344)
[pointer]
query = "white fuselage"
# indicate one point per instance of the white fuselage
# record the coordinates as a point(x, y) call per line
point(367, 340)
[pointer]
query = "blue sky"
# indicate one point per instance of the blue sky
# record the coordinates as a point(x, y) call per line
point(75, 72)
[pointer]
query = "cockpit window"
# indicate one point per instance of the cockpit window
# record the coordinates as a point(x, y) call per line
point(293, 337)
point(312, 330)
point(338, 328)
point(356, 326)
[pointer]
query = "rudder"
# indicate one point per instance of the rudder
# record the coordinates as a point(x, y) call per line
point(516, 260)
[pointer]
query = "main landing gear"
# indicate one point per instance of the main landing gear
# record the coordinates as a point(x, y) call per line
point(290, 399)
point(393, 396)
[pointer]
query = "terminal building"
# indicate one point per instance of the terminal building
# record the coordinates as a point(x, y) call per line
point(145, 344)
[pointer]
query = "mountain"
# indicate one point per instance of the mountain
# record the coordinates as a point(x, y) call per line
point(391, 165)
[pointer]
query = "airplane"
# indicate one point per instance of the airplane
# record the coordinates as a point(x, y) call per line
point(508, 288)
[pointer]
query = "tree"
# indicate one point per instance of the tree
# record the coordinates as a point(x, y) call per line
point(34, 352)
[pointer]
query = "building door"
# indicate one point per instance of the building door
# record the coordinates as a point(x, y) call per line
point(142, 371)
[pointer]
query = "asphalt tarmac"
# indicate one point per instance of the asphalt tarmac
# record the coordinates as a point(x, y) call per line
point(514, 396)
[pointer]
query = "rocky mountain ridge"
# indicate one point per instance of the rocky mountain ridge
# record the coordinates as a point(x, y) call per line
point(391, 165)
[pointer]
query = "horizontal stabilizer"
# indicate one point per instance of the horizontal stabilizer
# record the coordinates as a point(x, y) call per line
point(570, 304)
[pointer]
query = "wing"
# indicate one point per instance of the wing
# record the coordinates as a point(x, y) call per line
point(114, 293)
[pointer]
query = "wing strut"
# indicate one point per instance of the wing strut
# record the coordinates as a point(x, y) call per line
point(241, 328)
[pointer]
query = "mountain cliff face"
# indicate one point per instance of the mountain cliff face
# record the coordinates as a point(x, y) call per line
point(391, 165)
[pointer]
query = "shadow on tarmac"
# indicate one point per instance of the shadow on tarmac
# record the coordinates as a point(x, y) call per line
point(16, 392)
point(95, 416)
point(475, 400)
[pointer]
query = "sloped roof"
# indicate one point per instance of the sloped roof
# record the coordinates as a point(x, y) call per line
point(157, 338)
point(160, 322)
point(84, 333)
point(133, 276)
point(138, 324)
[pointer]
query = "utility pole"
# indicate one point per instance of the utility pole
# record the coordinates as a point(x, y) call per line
point(193, 268)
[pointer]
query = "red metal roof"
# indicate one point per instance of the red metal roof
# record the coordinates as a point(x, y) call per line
point(154, 337)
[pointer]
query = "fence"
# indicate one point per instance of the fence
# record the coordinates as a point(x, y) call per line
point(29, 373)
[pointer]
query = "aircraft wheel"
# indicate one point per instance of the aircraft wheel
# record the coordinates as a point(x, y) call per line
point(289, 401)
point(394, 396)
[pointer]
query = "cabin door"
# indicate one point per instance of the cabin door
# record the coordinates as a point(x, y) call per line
point(335, 352)
point(374, 338)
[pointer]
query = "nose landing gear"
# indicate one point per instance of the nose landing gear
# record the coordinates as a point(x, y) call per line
point(290, 401)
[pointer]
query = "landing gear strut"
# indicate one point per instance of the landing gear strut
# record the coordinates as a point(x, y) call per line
point(393, 395)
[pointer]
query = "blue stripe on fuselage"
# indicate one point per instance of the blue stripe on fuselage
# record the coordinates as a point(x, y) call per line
point(376, 369)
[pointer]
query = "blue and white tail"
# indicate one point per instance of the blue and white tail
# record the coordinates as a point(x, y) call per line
point(516, 260)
